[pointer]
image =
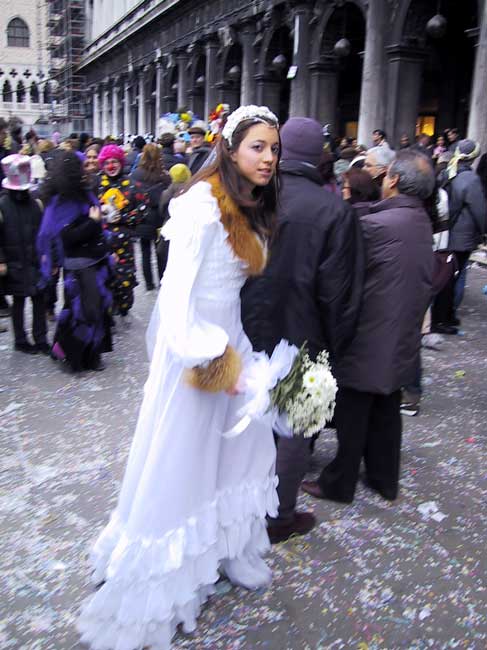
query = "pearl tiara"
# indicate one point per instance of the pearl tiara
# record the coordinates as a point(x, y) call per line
point(251, 112)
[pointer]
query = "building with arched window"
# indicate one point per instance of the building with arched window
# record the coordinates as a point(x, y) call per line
point(356, 65)
point(18, 34)
point(24, 62)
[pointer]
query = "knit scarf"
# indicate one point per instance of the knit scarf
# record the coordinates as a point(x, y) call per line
point(452, 169)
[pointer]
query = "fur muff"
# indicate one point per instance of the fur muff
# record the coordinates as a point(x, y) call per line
point(244, 241)
point(220, 374)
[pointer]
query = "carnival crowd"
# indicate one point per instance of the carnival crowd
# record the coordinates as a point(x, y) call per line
point(362, 252)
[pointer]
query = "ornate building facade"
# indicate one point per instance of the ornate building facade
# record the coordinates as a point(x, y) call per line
point(356, 65)
point(24, 87)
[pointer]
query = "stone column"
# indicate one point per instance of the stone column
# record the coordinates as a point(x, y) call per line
point(403, 89)
point(247, 81)
point(372, 94)
point(478, 103)
point(105, 125)
point(324, 91)
point(182, 61)
point(126, 108)
point(158, 96)
point(298, 105)
point(96, 113)
point(141, 123)
point(115, 127)
point(211, 92)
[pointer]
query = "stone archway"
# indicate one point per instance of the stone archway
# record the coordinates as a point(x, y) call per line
point(447, 71)
point(274, 88)
point(336, 80)
point(229, 84)
point(197, 85)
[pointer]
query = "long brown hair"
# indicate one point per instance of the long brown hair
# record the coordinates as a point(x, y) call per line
point(151, 163)
point(261, 208)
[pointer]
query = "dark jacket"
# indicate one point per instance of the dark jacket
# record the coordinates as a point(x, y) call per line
point(312, 286)
point(83, 238)
point(468, 210)
point(399, 268)
point(198, 157)
point(146, 195)
point(20, 221)
point(169, 158)
point(130, 159)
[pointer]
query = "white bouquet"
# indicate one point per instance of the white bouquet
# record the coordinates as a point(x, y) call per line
point(305, 398)
point(298, 394)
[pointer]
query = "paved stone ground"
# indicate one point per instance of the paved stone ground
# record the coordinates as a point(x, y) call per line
point(371, 576)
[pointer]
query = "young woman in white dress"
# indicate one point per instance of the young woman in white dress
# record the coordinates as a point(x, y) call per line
point(194, 502)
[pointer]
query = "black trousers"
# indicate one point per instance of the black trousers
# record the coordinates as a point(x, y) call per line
point(3, 301)
point(443, 310)
point(146, 248)
point(50, 294)
point(293, 456)
point(369, 426)
point(39, 327)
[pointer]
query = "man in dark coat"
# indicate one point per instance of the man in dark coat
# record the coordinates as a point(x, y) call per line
point(169, 158)
point(200, 149)
point(310, 290)
point(20, 220)
point(381, 358)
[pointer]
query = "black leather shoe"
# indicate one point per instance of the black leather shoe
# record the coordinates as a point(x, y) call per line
point(313, 488)
point(44, 348)
point(27, 348)
point(444, 328)
point(302, 523)
point(389, 494)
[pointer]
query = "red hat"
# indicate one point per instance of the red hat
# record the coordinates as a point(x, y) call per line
point(111, 151)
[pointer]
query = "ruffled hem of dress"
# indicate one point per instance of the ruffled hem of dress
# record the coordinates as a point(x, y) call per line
point(154, 584)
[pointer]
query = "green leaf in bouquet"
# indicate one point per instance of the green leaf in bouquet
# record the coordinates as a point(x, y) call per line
point(289, 387)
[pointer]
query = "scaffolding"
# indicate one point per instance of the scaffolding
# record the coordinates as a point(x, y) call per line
point(66, 38)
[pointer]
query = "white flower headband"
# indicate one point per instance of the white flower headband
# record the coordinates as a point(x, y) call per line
point(251, 112)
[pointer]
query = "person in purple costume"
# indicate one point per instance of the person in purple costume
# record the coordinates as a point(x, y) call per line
point(72, 231)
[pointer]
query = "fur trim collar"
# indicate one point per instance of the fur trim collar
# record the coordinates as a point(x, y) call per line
point(244, 241)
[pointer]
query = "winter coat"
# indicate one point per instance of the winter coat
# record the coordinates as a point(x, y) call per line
point(146, 195)
point(169, 158)
point(468, 210)
point(312, 285)
point(198, 157)
point(19, 224)
point(398, 276)
point(83, 239)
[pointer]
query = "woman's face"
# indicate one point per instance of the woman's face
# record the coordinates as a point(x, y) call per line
point(440, 141)
point(257, 155)
point(112, 167)
point(91, 162)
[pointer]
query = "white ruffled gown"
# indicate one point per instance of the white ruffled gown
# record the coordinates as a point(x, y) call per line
point(192, 500)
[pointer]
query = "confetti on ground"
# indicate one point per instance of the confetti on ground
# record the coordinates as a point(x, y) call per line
point(371, 576)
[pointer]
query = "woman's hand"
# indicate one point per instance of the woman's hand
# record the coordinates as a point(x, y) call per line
point(237, 389)
point(95, 213)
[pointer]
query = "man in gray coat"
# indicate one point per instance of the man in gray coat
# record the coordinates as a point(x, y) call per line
point(381, 358)
point(468, 214)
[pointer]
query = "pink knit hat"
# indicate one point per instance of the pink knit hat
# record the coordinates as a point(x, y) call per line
point(111, 151)
point(17, 172)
